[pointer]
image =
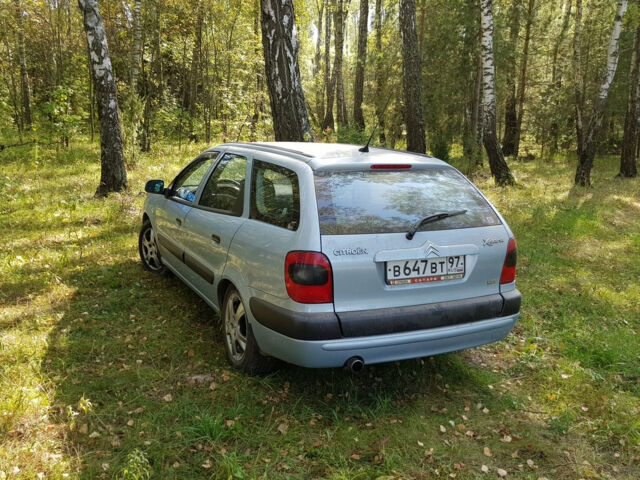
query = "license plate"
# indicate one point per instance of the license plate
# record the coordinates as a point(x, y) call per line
point(425, 270)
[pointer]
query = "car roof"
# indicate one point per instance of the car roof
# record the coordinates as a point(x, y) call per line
point(321, 156)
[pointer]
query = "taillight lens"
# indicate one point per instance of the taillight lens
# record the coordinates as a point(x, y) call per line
point(509, 268)
point(308, 277)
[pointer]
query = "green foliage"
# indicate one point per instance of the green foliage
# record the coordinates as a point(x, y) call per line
point(136, 467)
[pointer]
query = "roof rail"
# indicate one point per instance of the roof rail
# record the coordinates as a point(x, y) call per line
point(270, 148)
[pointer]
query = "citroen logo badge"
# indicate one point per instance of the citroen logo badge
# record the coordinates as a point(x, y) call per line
point(432, 251)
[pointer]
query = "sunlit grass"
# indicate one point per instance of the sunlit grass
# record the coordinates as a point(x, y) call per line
point(105, 369)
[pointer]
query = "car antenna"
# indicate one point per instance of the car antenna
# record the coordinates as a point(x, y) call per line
point(365, 149)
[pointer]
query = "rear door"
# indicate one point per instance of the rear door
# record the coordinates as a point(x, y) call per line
point(364, 218)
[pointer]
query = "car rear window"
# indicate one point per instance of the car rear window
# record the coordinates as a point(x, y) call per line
point(359, 202)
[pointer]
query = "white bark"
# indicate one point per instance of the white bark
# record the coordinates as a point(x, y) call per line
point(613, 51)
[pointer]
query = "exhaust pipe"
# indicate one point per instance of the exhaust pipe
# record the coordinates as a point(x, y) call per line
point(355, 364)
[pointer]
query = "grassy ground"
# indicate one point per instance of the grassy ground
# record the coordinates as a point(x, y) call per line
point(109, 372)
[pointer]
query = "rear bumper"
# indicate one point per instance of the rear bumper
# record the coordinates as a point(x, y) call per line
point(382, 348)
point(363, 323)
point(382, 335)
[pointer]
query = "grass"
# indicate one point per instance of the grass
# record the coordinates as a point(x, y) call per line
point(109, 372)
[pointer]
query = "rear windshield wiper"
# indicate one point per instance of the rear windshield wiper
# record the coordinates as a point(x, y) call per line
point(430, 219)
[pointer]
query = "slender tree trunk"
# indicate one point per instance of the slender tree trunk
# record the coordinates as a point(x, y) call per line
point(478, 113)
point(329, 79)
point(379, 74)
point(317, 61)
point(411, 78)
point(339, 21)
point(591, 137)
point(556, 79)
point(522, 84)
point(137, 45)
point(358, 87)
point(257, 107)
point(510, 115)
point(113, 173)
point(471, 143)
point(280, 44)
point(628, 158)
point(499, 168)
point(24, 76)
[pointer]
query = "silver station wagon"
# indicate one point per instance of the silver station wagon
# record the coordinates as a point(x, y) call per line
point(326, 255)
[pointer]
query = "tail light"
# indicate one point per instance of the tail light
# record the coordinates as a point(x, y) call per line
point(509, 268)
point(308, 277)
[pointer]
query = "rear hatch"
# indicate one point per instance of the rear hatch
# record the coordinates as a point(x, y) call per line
point(364, 218)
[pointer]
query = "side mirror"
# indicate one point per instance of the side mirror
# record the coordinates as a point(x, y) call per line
point(154, 186)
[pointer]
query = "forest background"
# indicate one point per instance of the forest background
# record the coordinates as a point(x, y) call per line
point(108, 372)
point(195, 72)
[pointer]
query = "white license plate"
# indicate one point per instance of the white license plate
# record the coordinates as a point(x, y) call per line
point(425, 270)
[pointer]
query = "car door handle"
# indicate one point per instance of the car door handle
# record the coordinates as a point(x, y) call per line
point(178, 222)
point(215, 238)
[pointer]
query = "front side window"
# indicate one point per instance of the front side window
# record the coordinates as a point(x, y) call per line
point(186, 184)
point(275, 195)
point(224, 191)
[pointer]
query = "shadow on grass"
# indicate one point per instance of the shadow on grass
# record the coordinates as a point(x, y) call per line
point(137, 348)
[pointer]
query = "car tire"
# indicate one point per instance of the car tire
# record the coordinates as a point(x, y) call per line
point(149, 252)
point(240, 344)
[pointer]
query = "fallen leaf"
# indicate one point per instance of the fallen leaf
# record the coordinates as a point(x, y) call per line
point(283, 427)
point(530, 463)
point(506, 439)
point(130, 423)
point(176, 464)
point(486, 451)
point(355, 456)
point(191, 353)
point(443, 429)
point(94, 435)
point(420, 444)
point(168, 397)
point(484, 469)
point(84, 429)
point(502, 473)
point(317, 444)
point(207, 465)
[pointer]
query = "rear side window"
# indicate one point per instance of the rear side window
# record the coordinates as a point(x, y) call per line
point(275, 196)
point(386, 202)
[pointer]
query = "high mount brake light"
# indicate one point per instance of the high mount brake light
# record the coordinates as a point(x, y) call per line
point(390, 166)
point(308, 277)
point(509, 268)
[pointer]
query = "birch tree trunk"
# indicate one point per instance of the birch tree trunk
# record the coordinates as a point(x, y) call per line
point(411, 78)
point(113, 175)
point(628, 159)
point(499, 168)
point(358, 87)
point(137, 45)
point(329, 84)
point(24, 75)
point(339, 21)
point(280, 45)
point(522, 83)
point(587, 148)
point(510, 115)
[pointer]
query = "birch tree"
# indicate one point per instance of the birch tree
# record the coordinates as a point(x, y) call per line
point(328, 122)
point(361, 60)
point(280, 47)
point(628, 158)
point(588, 139)
point(499, 168)
point(411, 78)
point(113, 176)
